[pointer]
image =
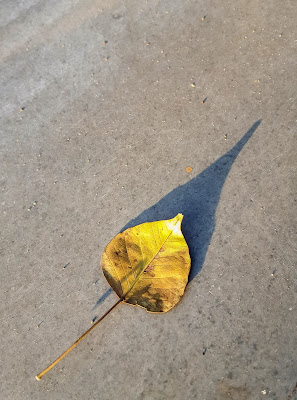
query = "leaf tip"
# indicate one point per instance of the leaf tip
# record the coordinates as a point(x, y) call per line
point(176, 222)
point(179, 217)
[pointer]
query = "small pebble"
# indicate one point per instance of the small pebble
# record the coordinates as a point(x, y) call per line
point(193, 84)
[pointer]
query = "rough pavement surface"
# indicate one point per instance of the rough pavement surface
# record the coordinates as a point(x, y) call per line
point(104, 104)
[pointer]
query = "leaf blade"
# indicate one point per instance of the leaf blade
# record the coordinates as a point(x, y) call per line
point(146, 271)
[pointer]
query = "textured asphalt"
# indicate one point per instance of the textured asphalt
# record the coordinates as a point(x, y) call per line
point(103, 106)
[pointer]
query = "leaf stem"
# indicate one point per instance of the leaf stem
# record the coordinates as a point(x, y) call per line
point(39, 376)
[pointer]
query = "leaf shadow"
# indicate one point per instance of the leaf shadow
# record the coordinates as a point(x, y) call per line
point(197, 200)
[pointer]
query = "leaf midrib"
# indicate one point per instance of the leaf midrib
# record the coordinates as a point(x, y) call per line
point(141, 272)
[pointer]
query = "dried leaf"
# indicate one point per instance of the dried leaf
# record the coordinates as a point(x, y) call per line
point(148, 265)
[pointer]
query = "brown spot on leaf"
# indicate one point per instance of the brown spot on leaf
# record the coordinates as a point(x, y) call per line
point(149, 268)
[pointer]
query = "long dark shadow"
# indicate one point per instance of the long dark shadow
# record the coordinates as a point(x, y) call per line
point(197, 200)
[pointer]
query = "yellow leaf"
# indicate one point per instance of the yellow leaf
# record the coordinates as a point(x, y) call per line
point(148, 265)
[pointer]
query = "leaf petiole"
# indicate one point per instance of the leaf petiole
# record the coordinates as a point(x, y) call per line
point(39, 376)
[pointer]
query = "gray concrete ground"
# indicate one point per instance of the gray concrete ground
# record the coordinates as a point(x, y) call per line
point(101, 112)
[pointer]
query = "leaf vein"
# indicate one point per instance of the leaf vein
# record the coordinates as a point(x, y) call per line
point(111, 262)
point(139, 275)
point(129, 259)
point(121, 265)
